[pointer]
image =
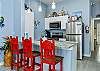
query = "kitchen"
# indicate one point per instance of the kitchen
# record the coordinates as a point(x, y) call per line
point(42, 10)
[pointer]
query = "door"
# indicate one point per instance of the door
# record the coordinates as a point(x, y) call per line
point(98, 33)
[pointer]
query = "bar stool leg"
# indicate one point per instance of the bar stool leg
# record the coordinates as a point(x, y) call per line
point(41, 67)
point(61, 65)
point(17, 68)
point(34, 64)
point(21, 58)
point(49, 67)
point(11, 67)
point(18, 63)
point(54, 68)
point(11, 63)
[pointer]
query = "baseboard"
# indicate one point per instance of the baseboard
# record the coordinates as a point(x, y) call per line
point(2, 63)
point(87, 55)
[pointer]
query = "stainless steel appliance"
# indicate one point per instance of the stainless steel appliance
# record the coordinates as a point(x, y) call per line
point(55, 25)
point(56, 34)
point(74, 32)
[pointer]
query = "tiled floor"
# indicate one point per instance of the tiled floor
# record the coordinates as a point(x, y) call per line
point(83, 65)
point(87, 64)
point(2, 68)
point(92, 63)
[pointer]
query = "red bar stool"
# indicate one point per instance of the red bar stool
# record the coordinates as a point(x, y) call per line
point(15, 53)
point(47, 55)
point(27, 55)
point(20, 52)
point(34, 53)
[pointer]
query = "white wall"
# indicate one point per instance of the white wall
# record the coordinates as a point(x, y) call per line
point(95, 8)
point(19, 17)
point(6, 10)
point(7, 13)
point(0, 7)
point(13, 13)
point(38, 16)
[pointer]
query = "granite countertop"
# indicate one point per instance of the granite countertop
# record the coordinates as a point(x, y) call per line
point(61, 44)
point(66, 45)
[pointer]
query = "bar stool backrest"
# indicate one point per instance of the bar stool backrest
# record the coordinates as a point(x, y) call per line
point(47, 48)
point(14, 45)
point(27, 47)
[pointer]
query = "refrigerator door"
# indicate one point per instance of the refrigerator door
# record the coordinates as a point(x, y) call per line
point(79, 46)
point(77, 38)
point(74, 28)
point(78, 27)
point(71, 28)
point(74, 33)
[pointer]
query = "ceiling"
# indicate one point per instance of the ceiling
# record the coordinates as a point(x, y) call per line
point(50, 1)
point(98, 0)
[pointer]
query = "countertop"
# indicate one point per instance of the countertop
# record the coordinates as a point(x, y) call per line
point(66, 45)
point(60, 44)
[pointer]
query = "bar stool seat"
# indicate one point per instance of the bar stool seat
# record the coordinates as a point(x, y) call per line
point(36, 53)
point(55, 60)
point(21, 50)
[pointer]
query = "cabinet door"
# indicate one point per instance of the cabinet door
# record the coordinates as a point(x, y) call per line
point(47, 23)
point(64, 21)
point(29, 24)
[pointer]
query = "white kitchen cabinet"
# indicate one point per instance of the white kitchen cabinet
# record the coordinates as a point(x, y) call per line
point(46, 23)
point(62, 19)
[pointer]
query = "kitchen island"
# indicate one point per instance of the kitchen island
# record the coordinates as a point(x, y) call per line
point(68, 50)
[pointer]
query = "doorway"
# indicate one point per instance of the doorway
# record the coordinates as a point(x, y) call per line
point(95, 39)
point(98, 33)
point(95, 33)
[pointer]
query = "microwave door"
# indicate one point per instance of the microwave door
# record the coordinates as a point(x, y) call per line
point(55, 25)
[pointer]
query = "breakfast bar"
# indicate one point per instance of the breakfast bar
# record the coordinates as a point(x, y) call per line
point(66, 49)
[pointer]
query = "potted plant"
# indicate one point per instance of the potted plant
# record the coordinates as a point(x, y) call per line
point(7, 51)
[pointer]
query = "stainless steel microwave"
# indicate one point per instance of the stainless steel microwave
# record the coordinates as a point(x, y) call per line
point(55, 25)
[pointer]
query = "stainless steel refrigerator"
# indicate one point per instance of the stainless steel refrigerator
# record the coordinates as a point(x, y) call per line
point(74, 32)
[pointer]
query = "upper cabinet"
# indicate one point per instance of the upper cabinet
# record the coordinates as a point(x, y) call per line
point(60, 19)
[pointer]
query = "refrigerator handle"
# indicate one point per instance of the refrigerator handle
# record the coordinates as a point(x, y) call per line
point(87, 29)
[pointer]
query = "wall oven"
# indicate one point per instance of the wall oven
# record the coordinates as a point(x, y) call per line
point(55, 25)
